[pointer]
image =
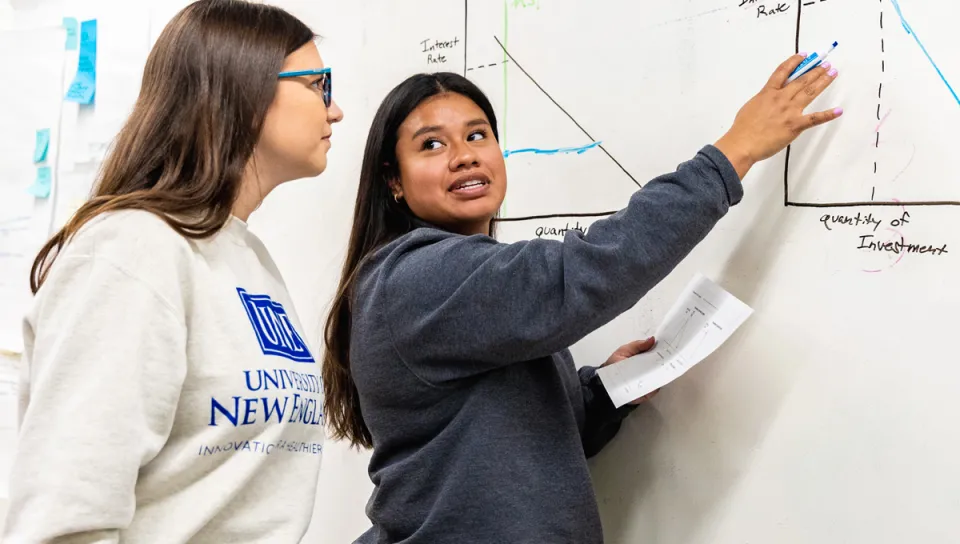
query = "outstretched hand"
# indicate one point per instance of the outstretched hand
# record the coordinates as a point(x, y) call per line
point(775, 116)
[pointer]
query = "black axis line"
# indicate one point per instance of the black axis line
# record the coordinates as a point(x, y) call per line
point(881, 203)
point(583, 130)
point(552, 215)
point(465, 48)
point(786, 164)
point(855, 204)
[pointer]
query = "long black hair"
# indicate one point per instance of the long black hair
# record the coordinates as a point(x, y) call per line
point(377, 220)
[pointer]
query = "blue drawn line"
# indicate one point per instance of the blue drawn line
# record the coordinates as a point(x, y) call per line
point(538, 151)
point(909, 29)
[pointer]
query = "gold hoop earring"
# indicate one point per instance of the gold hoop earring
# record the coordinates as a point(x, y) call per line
point(396, 198)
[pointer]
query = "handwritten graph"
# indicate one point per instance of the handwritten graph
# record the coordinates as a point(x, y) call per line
point(481, 60)
point(892, 149)
point(568, 96)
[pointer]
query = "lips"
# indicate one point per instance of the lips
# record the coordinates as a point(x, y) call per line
point(469, 183)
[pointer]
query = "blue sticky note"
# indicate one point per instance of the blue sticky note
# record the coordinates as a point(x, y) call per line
point(42, 146)
point(84, 85)
point(41, 185)
point(83, 88)
point(73, 32)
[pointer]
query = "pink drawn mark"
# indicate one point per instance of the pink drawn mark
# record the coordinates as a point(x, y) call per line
point(899, 257)
point(902, 240)
point(902, 207)
point(909, 162)
point(882, 121)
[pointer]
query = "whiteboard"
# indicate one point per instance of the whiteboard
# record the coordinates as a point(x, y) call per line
point(831, 416)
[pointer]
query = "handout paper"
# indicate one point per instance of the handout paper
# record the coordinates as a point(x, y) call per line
point(698, 323)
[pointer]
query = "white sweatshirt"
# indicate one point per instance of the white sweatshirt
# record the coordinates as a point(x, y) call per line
point(167, 395)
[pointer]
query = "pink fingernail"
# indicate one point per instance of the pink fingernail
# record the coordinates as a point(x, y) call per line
point(803, 53)
point(825, 65)
point(838, 112)
point(832, 73)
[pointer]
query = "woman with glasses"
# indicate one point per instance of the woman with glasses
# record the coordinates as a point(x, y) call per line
point(168, 394)
point(447, 350)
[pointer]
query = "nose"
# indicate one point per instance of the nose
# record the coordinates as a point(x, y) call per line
point(334, 113)
point(464, 156)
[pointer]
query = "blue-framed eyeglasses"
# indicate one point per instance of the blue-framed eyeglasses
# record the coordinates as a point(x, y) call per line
point(325, 81)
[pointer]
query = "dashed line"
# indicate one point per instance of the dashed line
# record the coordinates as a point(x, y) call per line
point(883, 69)
point(492, 64)
point(883, 120)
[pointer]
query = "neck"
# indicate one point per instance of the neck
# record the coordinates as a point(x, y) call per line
point(468, 229)
point(255, 185)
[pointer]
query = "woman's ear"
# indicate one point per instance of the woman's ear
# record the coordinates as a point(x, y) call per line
point(396, 189)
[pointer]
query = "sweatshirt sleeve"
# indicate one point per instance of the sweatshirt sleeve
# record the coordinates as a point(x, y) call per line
point(601, 418)
point(105, 368)
point(463, 305)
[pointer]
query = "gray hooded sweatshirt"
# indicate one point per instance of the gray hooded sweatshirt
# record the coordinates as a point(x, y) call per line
point(481, 423)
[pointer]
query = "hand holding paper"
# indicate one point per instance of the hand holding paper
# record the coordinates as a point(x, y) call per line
point(627, 351)
point(698, 323)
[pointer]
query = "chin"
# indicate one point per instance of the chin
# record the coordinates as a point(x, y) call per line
point(475, 216)
point(318, 168)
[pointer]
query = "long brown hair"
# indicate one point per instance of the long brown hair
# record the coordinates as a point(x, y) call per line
point(206, 88)
point(377, 220)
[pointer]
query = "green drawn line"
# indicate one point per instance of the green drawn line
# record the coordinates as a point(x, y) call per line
point(503, 207)
point(504, 63)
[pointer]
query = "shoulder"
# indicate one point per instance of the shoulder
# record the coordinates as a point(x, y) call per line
point(423, 251)
point(138, 245)
point(424, 267)
point(133, 239)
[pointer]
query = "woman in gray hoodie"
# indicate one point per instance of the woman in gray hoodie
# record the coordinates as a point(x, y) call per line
point(447, 350)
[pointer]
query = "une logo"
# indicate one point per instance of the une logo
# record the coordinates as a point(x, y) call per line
point(274, 330)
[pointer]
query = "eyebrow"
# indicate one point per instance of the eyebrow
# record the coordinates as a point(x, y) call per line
point(436, 128)
point(424, 130)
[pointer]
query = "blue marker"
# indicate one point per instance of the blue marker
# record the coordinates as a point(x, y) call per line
point(811, 62)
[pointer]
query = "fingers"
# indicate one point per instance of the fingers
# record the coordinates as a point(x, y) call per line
point(637, 346)
point(783, 71)
point(812, 88)
point(645, 398)
point(796, 86)
point(820, 117)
